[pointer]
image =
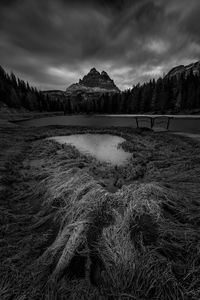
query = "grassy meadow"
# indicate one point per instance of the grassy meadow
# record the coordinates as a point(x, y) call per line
point(74, 228)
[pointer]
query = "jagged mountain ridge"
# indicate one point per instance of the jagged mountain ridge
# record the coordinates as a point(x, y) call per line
point(185, 70)
point(91, 86)
point(95, 82)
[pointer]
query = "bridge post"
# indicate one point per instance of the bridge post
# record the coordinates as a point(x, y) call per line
point(136, 119)
point(152, 122)
point(168, 123)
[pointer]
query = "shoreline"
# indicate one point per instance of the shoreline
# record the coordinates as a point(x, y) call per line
point(40, 117)
point(17, 116)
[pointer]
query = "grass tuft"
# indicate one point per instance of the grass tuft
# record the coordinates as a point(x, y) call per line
point(73, 228)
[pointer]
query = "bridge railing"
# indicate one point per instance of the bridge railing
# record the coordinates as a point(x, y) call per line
point(151, 121)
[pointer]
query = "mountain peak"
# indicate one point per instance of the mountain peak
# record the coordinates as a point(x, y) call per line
point(104, 74)
point(96, 80)
point(94, 71)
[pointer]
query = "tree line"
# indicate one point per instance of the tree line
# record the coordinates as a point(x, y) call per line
point(164, 95)
point(16, 93)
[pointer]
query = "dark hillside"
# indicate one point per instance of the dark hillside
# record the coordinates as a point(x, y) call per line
point(15, 93)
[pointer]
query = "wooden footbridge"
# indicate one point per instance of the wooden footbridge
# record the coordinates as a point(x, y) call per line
point(154, 120)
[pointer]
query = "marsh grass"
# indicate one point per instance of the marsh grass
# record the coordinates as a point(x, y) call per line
point(64, 235)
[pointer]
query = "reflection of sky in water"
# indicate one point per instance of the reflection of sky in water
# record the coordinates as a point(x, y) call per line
point(101, 146)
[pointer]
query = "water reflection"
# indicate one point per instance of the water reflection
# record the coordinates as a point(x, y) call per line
point(102, 146)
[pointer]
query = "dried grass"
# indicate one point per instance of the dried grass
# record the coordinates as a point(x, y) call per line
point(66, 237)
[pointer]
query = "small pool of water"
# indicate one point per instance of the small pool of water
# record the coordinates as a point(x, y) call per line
point(104, 147)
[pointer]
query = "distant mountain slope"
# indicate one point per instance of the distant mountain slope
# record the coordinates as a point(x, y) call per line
point(184, 70)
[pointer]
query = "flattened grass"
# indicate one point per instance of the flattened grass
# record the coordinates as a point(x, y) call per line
point(64, 235)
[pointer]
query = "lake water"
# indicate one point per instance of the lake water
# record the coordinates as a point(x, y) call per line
point(179, 123)
point(104, 147)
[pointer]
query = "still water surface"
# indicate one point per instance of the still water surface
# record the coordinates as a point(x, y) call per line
point(104, 147)
point(183, 123)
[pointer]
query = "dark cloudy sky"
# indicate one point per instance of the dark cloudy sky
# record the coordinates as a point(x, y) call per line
point(53, 43)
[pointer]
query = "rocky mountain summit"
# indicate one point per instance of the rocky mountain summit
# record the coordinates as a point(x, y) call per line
point(95, 79)
point(94, 82)
point(91, 87)
point(185, 70)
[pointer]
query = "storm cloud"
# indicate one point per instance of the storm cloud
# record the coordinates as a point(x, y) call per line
point(52, 43)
